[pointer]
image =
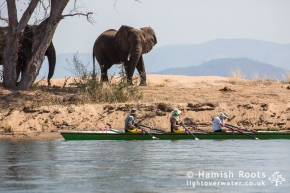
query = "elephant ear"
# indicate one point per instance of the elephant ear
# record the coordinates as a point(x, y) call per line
point(150, 39)
point(122, 37)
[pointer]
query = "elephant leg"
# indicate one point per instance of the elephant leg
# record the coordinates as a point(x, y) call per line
point(141, 70)
point(20, 68)
point(135, 60)
point(129, 69)
point(51, 56)
point(104, 72)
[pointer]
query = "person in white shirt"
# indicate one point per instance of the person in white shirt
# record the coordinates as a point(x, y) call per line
point(219, 122)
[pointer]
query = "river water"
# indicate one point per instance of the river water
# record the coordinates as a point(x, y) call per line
point(144, 166)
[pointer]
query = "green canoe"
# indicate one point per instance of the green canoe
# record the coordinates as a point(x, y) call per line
point(120, 135)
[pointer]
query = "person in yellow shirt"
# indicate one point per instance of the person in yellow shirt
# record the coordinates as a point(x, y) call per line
point(175, 122)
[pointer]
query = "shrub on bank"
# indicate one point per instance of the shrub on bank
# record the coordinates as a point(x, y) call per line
point(91, 89)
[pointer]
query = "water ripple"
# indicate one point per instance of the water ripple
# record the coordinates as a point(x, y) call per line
point(139, 166)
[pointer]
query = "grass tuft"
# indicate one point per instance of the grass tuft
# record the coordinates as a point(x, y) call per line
point(273, 128)
point(265, 80)
point(286, 77)
point(8, 129)
point(236, 77)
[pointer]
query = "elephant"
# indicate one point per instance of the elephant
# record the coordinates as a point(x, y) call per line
point(126, 47)
point(24, 52)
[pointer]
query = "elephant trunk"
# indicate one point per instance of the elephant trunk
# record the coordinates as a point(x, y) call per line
point(134, 55)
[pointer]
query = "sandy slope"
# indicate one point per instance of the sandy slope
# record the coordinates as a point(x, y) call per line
point(251, 104)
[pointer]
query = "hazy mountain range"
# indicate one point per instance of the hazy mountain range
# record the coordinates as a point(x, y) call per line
point(226, 67)
point(173, 56)
point(250, 56)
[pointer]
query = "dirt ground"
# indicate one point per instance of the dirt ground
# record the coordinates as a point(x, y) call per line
point(252, 104)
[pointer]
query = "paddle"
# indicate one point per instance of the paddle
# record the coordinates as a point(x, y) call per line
point(241, 132)
point(138, 126)
point(151, 128)
point(116, 131)
point(149, 134)
point(195, 128)
point(236, 127)
point(107, 128)
point(189, 132)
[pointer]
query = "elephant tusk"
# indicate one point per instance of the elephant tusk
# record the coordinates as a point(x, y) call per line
point(129, 55)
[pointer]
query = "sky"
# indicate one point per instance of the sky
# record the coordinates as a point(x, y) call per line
point(176, 21)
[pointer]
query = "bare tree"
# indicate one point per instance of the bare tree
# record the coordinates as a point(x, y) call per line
point(41, 39)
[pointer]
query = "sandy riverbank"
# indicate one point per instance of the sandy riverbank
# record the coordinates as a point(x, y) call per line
point(258, 104)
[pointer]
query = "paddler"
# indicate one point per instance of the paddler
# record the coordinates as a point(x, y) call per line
point(219, 122)
point(175, 122)
point(130, 125)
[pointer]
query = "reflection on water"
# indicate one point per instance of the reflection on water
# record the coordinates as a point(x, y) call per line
point(141, 166)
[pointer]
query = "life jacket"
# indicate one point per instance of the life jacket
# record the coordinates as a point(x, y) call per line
point(171, 124)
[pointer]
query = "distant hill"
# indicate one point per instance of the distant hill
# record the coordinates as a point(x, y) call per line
point(225, 67)
point(176, 56)
point(172, 56)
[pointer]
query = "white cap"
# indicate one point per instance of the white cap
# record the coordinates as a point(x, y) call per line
point(224, 114)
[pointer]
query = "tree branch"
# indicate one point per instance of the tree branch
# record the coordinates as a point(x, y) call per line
point(115, 6)
point(4, 19)
point(87, 15)
point(116, 3)
point(12, 13)
point(27, 14)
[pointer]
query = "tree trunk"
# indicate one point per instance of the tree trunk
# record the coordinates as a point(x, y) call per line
point(10, 59)
point(10, 56)
point(40, 42)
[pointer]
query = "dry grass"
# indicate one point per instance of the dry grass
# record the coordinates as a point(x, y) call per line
point(164, 83)
point(286, 77)
point(205, 83)
point(8, 129)
point(161, 85)
point(38, 83)
point(167, 80)
point(91, 89)
point(264, 80)
point(236, 77)
point(273, 129)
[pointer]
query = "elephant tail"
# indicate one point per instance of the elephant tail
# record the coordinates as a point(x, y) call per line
point(51, 55)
